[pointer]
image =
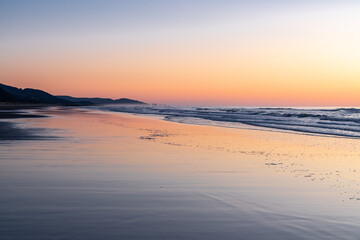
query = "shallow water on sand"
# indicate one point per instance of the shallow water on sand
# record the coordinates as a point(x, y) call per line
point(117, 176)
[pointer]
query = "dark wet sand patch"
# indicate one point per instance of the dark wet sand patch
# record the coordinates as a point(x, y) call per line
point(10, 131)
point(18, 114)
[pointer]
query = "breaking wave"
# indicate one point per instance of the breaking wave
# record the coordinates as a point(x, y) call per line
point(343, 122)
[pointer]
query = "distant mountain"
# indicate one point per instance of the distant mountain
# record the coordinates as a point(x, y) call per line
point(127, 101)
point(29, 95)
point(87, 100)
point(100, 100)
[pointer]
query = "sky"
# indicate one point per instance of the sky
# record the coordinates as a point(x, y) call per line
point(196, 52)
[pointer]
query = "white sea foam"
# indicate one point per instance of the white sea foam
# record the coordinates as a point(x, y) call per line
point(343, 122)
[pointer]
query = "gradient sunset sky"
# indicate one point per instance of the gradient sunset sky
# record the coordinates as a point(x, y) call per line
point(245, 53)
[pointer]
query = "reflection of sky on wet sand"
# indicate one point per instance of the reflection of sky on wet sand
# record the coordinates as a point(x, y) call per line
point(117, 175)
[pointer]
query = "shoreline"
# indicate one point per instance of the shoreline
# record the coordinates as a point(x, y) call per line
point(10, 112)
point(336, 122)
point(16, 111)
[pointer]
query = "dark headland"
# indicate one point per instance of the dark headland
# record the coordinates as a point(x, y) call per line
point(13, 102)
point(9, 94)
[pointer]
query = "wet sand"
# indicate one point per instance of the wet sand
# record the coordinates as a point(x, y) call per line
point(10, 130)
point(119, 176)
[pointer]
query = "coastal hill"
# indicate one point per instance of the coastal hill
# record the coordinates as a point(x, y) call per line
point(6, 97)
point(100, 100)
point(28, 95)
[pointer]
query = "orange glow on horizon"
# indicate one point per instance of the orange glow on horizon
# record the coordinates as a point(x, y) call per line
point(289, 60)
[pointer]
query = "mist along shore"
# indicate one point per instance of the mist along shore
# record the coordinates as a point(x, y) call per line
point(108, 175)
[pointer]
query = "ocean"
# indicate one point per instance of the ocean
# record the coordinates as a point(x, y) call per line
point(340, 122)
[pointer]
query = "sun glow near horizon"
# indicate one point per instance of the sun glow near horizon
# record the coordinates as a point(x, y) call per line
point(206, 53)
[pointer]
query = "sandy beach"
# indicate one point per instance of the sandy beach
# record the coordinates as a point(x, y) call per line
point(102, 175)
